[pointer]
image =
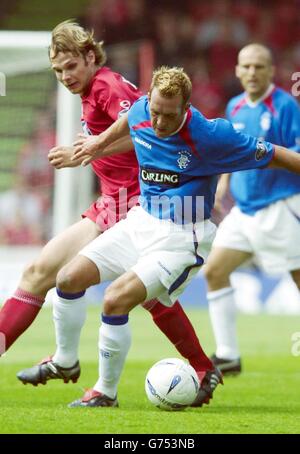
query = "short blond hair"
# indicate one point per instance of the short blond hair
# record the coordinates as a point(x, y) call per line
point(172, 82)
point(69, 36)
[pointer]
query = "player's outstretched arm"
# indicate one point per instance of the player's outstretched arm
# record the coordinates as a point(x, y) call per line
point(285, 159)
point(92, 147)
point(122, 145)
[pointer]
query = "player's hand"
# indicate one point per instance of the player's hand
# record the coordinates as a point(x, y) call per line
point(87, 148)
point(61, 157)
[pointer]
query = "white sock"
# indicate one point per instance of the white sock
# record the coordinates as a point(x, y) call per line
point(114, 344)
point(69, 315)
point(222, 310)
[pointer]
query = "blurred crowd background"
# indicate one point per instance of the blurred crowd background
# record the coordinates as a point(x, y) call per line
point(203, 37)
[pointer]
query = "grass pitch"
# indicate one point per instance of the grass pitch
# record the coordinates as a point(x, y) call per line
point(264, 399)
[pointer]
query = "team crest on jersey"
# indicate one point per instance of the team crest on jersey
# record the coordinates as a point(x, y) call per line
point(125, 106)
point(261, 151)
point(184, 159)
point(265, 121)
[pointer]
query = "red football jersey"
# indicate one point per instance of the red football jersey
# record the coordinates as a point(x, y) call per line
point(109, 96)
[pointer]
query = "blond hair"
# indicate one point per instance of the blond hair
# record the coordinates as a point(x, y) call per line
point(172, 82)
point(68, 36)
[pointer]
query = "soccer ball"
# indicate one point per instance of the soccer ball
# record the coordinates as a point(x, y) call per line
point(172, 384)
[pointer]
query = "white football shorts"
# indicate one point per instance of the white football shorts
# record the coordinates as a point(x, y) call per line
point(272, 235)
point(164, 255)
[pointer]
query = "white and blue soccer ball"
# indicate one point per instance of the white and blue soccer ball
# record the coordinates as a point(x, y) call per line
point(172, 384)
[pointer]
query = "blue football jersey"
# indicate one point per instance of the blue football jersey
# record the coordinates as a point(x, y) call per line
point(178, 174)
point(276, 119)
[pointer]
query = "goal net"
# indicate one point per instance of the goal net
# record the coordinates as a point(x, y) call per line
point(35, 114)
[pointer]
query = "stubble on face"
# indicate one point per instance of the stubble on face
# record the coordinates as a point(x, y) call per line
point(167, 114)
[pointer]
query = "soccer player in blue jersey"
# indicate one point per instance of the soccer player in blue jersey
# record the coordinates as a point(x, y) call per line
point(156, 250)
point(265, 223)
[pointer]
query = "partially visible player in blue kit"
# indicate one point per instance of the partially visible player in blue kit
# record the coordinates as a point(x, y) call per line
point(265, 223)
point(163, 242)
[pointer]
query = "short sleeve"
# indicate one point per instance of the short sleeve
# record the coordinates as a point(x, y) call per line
point(230, 150)
point(113, 103)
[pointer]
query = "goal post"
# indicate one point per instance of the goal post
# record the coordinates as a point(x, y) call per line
point(72, 186)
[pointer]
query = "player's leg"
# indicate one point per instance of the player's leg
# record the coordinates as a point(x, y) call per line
point(69, 313)
point(41, 275)
point(101, 258)
point(114, 253)
point(124, 294)
point(176, 326)
point(20, 310)
point(175, 280)
point(173, 320)
point(177, 263)
point(221, 263)
point(120, 298)
point(296, 277)
point(290, 220)
point(69, 308)
point(114, 341)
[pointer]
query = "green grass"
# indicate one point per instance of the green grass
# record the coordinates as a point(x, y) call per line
point(264, 399)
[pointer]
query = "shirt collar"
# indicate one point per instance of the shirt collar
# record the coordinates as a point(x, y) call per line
point(264, 96)
point(181, 125)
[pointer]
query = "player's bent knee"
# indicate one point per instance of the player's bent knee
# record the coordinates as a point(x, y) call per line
point(68, 282)
point(111, 305)
point(215, 276)
point(115, 302)
point(77, 275)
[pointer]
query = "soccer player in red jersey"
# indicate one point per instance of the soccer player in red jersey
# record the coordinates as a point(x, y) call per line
point(78, 62)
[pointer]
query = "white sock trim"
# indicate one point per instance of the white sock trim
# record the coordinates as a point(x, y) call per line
point(216, 294)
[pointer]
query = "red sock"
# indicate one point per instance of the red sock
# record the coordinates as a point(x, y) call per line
point(16, 316)
point(174, 323)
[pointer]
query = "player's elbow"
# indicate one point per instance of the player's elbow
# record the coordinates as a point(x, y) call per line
point(276, 162)
point(284, 158)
